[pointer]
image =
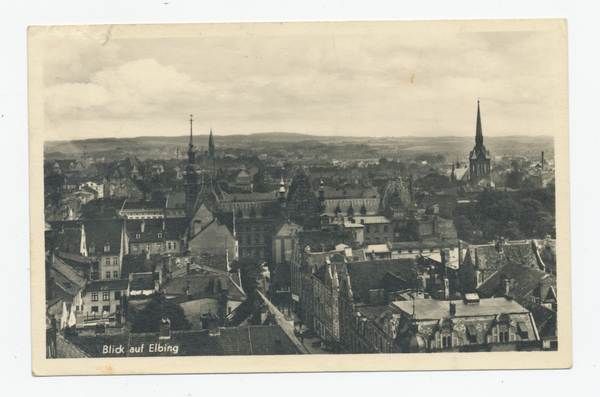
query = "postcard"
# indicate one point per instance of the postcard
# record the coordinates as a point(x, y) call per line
point(299, 197)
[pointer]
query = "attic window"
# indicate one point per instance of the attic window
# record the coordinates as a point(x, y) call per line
point(159, 235)
point(92, 248)
point(107, 248)
point(137, 236)
point(523, 330)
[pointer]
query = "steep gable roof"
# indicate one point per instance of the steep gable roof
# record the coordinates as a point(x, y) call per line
point(368, 275)
point(525, 282)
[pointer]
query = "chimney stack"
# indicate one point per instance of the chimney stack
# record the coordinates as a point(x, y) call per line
point(447, 290)
point(187, 266)
point(542, 160)
point(506, 285)
point(143, 226)
point(163, 224)
point(452, 309)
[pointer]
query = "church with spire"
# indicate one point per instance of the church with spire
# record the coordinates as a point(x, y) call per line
point(479, 158)
point(201, 186)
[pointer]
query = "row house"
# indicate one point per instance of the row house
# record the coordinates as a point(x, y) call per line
point(152, 237)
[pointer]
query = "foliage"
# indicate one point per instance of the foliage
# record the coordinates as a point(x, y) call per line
point(515, 215)
point(148, 319)
point(251, 271)
point(433, 181)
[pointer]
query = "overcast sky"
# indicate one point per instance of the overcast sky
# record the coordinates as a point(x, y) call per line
point(373, 79)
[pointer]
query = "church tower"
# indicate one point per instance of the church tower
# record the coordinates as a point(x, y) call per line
point(479, 158)
point(192, 175)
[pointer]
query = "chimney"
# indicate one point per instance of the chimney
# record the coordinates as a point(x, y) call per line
point(452, 309)
point(188, 289)
point(163, 224)
point(164, 329)
point(240, 278)
point(542, 160)
point(506, 285)
point(187, 267)
point(143, 226)
point(459, 254)
point(447, 290)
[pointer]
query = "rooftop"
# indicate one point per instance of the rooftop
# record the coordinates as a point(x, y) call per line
point(436, 309)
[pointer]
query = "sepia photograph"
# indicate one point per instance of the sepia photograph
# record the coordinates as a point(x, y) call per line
point(299, 197)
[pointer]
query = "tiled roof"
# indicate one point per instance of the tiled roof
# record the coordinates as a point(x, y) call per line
point(436, 309)
point(244, 341)
point(70, 281)
point(107, 285)
point(203, 286)
point(489, 256)
point(365, 276)
point(153, 231)
point(424, 245)
point(141, 281)
point(545, 319)
point(67, 239)
point(103, 232)
point(137, 264)
point(175, 200)
point(525, 282)
point(371, 205)
point(144, 205)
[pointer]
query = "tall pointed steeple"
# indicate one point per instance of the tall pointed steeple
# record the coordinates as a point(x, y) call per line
point(211, 146)
point(191, 138)
point(479, 133)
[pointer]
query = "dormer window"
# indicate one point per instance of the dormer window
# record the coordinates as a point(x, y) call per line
point(137, 236)
point(107, 248)
point(92, 248)
point(159, 235)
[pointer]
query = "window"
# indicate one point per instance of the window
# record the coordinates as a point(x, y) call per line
point(367, 229)
point(107, 248)
point(148, 247)
point(367, 240)
point(522, 328)
point(94, 297)
point(107, 261)
point(106, 296)
point(108, 274)
point(94, 309)
point(447, 341)
point(385, 228)
point(174, 246)
point(472, 333)
point(115, 261)
point(376, 240)
point(115, 274)
point(106, 309)
point(117, 295)
point(135, 247)
point(503, 336)
point(169, 245)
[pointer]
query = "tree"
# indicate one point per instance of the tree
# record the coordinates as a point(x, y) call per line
point(148, 319)
point(251, 271)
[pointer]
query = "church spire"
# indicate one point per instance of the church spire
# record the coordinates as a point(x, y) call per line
point(211, 146)
point(191, 139)
point(479, 134)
